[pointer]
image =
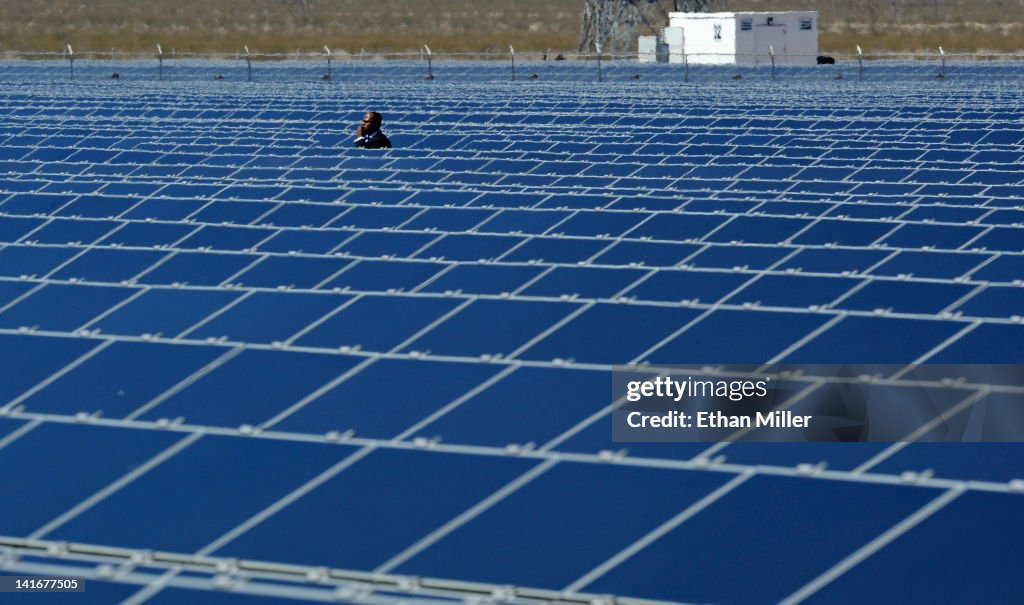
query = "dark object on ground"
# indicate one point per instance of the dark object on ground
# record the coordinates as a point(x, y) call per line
point(940, 75)
point(218, 77)
point(429, 77)
point(839, 77)
point(634, 77)
point(534, 76)
point(826, 60)
point(738, 77)
point(559, 57)
point(115, 76)
point(325, 77)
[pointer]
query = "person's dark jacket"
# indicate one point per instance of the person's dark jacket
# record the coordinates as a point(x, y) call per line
point(377, 140)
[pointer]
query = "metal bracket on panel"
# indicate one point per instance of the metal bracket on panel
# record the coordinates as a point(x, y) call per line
point(424, 443)
point(912, 477)
point(350, 594)
point(807, 470)
point(339, 436)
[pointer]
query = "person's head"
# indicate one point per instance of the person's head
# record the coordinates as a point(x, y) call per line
point(371, 122)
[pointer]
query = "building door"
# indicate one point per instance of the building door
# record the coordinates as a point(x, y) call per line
point(766, 36)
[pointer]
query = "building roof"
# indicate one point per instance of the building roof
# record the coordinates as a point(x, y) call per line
point(729, 15)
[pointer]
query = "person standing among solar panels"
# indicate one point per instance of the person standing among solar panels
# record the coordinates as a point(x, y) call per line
point(369, 134)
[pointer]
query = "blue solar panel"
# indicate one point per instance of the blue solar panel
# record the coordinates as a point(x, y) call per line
point(256, 364)
point(792, 546)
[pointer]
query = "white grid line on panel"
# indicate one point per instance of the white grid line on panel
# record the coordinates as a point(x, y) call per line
point(114, 487)
point(874, 546)
point(656, 533)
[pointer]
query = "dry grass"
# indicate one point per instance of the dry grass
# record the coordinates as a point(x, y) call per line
point(287, 25)
point(955, 38)
point(462, 25)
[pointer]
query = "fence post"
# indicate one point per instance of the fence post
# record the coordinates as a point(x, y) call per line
point(328, 51)
point(430, 66)
point(512, 52)
point(771, 54)
point(71, 60)
point(860, 63)
point(160, 60)
point(942, 53)
point(686, 68)
point(600, 75)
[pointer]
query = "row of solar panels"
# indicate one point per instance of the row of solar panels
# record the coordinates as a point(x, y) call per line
point(928, 201)
point(655, 148)
point(845, 175)
point(489, 96)
point(534, 213)
point(873, 199)
point(812, 277)
point(492, 212)
point(984, 462)
point(291, 251)
point(683, 131)
point(394, 207)
point(698, 180)
point(846, 242)
point(294, 389)
point(836, 163)
point(888, 107)
point(486, 104)
point(741, 301)
point(435, 231)
point(456, 69)
point(426, 115)
point(757, 130)
point(567, 504)
point(936, 204)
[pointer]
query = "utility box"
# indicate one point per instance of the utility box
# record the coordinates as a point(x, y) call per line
point(673, 37)
point(748, 38)
point(651, 50)
point(647, 49)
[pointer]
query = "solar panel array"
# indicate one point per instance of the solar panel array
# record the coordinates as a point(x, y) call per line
point(243, 360)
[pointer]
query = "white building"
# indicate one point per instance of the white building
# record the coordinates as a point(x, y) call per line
point(743, 38)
